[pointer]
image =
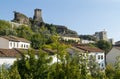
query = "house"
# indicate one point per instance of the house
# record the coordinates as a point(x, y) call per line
point(10, 48)
point(8, 56)
point(112, 54)
point(92, 51)
point(117, 43)
point(87, 41)
point(10, 42)
point(69, 38)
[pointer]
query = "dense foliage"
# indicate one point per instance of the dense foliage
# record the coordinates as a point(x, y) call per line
point(104, 45)
point(87, 37)
point(39, 65)
point(37, 35)
point(68, 67)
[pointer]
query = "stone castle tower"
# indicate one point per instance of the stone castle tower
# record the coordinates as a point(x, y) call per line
point(38, 15)
point(101, 35)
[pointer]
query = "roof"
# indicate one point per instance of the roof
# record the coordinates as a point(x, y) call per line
point(20, 52)
point(117, 47)
point(9, 53)
point(49, 51)
point(88, 48)
point(17, 39)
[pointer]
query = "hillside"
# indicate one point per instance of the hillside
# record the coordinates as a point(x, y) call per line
point(38, 21)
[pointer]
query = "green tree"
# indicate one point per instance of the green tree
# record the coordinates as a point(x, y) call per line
point(24, 32)
point(6, 28)
point(88, 37)
point(51, 28)
point(104, 45)
point(67, 69)
point(31, 66)
point(45, 34)
point(41, 38)
point(35, 29)
point(4, 73)
point(13, 72)
point(83, 61)
point(94, 68)
point(36, 41)
point(109, 71)
point(117, 68)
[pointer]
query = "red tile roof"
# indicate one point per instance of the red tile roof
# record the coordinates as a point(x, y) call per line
point(89, 48)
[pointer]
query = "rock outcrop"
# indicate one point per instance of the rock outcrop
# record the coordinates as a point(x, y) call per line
point(21, 18)
point(64, 31)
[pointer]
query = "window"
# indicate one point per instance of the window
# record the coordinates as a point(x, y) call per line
point(101, 56)
point(14, 44)
point(102, 65)
point(21, 45)
point(17, 44)
point(24, 45)
point(98, 56)
point(11, 44)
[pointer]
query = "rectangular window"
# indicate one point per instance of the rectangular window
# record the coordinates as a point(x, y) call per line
point(17, 45)
point(21, 45)
point(11, 44)
point(14, 44)
point(26, 46)
point(101, 56)
point(102, 65)
point(98, 56)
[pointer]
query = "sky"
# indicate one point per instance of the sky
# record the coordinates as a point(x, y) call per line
point(82, 16)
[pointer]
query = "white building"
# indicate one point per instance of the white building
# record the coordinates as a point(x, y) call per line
point(111, 40)
point(67, 38)
point(93, 51)
point(9, 42)
point(87, 41)
point(112, 55)
point(8, 56)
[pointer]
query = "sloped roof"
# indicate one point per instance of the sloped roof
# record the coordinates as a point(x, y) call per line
point(89, 48)
point(49, 51)
point(17, 39)
point(117, 47)
point(20, 52)
point(9, 53)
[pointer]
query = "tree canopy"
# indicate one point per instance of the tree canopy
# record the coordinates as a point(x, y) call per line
point(104, 45)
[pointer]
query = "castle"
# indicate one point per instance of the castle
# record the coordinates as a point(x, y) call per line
point(37, 20)
point(23, 19)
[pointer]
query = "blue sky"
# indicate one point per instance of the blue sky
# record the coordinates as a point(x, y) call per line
point(83, 16)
